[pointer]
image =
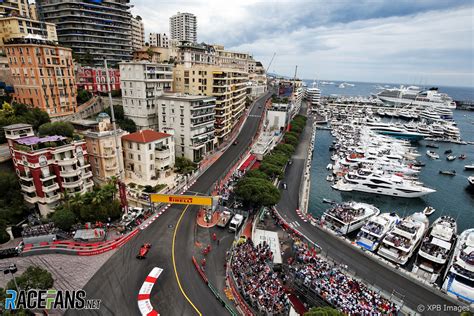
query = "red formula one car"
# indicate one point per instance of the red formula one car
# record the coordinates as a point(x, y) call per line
point(143, 251)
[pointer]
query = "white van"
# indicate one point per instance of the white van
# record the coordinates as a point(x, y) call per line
point(236, 222)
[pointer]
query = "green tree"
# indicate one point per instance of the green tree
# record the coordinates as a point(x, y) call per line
point(257, 174)
point(271, 170)
point(184, 165)
point(118, 112)
point(12, 205)
point(285, 149)
point(276, 159)
point(290, 139)
point(56, 128)
point(323, 311)
point(33, 278)
point(257, 191)
point(64, 218)
point(83, 96)
point(127, 125)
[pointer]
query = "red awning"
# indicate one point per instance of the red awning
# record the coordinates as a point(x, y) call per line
point(248, 163)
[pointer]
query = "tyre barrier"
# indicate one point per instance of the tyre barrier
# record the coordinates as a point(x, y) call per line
point(143, 299)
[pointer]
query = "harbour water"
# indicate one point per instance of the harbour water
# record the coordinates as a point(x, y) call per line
point(451, 198)
point(366, 88)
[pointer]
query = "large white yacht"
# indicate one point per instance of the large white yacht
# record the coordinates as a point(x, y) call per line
point(392, 185)
point(313, 94)
point(415, 96)
point(376, 228)
point(348, 217)
point(436, 249)
point(400, 243)
point(459, 280)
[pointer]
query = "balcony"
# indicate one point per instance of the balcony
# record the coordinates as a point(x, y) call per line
point(162, 154)
point(87, 175)
point(109, 154)
point(51, 187)
point(47, 176)
point(85, 165)
point(110, 167)
point(30, 199)
point(28, 188)
point(26, 176)
point(72, 184)
point(88, 184)
point(67, 162)
point(70, 173)
point(52, 199)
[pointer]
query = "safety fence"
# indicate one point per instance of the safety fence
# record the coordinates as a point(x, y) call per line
point(213, 289)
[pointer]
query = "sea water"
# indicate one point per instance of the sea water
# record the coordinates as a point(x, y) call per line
point(452, 197)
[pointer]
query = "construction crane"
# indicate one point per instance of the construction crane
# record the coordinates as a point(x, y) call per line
point(269, 64)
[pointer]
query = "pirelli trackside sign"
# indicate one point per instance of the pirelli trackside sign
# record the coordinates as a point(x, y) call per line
point(181, 199)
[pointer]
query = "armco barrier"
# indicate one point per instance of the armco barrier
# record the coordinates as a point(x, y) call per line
point(78, 249)
point(201, 273)
point(242, 304)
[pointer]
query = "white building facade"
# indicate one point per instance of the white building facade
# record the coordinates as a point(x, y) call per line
point(138, 33)
point(148, 155)
point(159, 40)
point(192, 120)
point(183, 27)
point(142, 83)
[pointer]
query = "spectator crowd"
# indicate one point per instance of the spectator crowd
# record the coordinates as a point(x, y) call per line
point(334, 286)
point(256, 280)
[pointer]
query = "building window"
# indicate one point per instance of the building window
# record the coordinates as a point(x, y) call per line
point(149, 146)
point(139, 158)
point(130, 156)
point(130, 145)
point(151, 167)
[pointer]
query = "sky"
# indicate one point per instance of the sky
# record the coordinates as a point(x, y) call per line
point(397, 41)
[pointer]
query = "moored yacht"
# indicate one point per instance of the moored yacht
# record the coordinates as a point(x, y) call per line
point(348, 217)
point(459, 281)
point(414, 96)
point(372, 233)
point(400, 243)
point(392, 185)
point(436, 249)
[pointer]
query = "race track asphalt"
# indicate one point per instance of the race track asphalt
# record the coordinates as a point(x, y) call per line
point(118, 281)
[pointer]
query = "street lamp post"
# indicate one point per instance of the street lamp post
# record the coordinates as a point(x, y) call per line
point(11, 269)
point(112, 112)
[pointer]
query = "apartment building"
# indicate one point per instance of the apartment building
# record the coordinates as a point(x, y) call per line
point(183, 27)
point(14, 8)
point(229, 59)
point(93, 29)
point(142, 82)
point(20, 27)
point(190, 54)
point(94, 79)
point(158, 40)
point(192, 119)
point(48, 167)
point(43, 75)
point(102, 149)
point(148, 155)
point(138, 33)
point(227, 85)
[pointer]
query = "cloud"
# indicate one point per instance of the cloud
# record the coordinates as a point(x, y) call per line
point(347, 40)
